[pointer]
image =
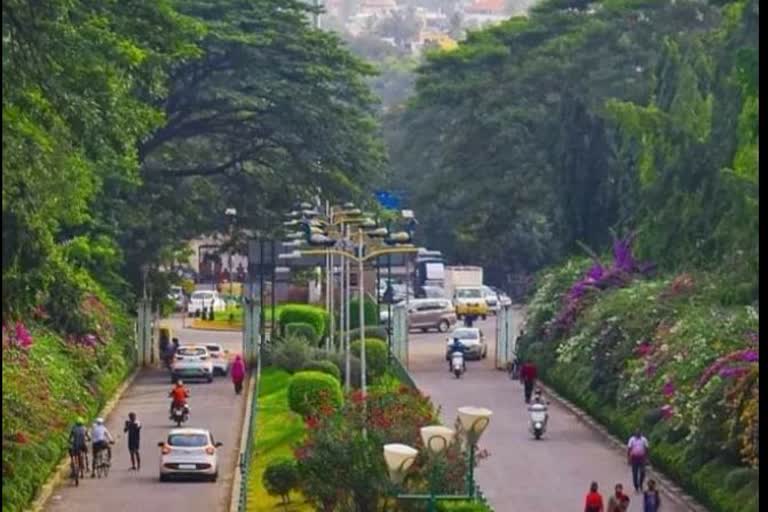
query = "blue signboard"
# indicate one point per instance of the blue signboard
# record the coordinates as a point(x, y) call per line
point(388, 200)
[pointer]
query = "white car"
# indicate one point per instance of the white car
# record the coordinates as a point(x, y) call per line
point(189, 452)
point(473, 340)
point(504, 299)
point(219, 358)
point(201, 299)
point(192, 362)
point(491, 298)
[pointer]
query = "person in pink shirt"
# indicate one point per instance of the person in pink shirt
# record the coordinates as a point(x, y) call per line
point(238, 373)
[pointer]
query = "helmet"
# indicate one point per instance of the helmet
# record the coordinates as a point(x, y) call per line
point(99, 421)
point(79, 421)
point(179, 382)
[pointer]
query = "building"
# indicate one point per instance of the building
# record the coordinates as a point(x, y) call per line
point(485, 12)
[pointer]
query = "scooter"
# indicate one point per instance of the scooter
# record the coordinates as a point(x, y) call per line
point(457, 363)
point(538, 420)
point(180, 414)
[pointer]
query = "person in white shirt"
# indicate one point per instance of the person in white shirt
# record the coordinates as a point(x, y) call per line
point(637, 456)
point(101, 440)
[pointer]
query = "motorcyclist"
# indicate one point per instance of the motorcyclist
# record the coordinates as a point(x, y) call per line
point(179, 395)
point(457, 346)
point(538, 399)
point(78, 443)
point(101, 441)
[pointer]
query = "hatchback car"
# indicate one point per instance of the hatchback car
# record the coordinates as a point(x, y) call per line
point(192, 362)
point(428, 314)
point(189, 452)
point(473, 340)
point(219, 358)
point(491, 298)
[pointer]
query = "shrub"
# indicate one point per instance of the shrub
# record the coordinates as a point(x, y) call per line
point(211, 314)
point(290, 353)
point(309, 392)
point(462, 506)
point(302, 329)
point(302, 313)
point(371, 331)
point(371, 314)
point(338, 359)
point(280, 477)
point(375, 356)
point(323, 366)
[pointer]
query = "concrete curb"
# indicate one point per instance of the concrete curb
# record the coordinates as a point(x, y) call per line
point(668, 488)
point(234, 498)
point(62, 470)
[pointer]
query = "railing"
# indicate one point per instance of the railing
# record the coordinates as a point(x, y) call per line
point(245, 456)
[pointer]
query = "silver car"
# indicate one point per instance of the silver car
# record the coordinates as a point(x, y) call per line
point(473, 340)
point(428, 314)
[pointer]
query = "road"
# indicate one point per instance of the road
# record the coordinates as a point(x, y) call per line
point(549, 475)
point(213, 406)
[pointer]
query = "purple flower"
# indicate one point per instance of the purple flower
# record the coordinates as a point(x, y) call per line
point(751, 356)
point(23, 338)
point(732, 372)
point(650, 370)
point(668, 389)
point(595, 272)
point(622, 254)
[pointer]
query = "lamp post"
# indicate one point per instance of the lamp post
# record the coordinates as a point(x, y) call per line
point(231, 213)
point(437, 438)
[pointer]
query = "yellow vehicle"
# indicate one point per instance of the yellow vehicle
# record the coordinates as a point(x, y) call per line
point(470, 300)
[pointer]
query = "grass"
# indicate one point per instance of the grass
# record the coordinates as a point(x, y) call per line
point(278, 429)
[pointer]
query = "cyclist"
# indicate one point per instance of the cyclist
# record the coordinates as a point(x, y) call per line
point(78, 444)
point(101, 441)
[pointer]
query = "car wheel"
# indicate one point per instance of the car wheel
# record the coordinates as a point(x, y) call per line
point(483, 317)
point(214, 477)
point(163, 478)
point(210, 379)
point(443, 326)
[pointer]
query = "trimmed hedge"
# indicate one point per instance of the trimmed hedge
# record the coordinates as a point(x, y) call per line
point(371, 331)
point(280, 477)
point(375, 355)
point(303, 313)
point(370, 313)
point(290, 354)
point(323, 366)
point(339, 361)
point(308, 391)
point(302, 329)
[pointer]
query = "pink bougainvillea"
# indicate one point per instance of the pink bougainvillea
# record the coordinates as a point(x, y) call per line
point(732, 362)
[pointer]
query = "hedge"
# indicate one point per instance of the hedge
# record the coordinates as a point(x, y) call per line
point(304, 330)
point(375, 355)
point(339, 360)
point(303, 313)
point(290, 354)
point(323, 366)
point(309, 390)
point(370, 312)
point(371, 331)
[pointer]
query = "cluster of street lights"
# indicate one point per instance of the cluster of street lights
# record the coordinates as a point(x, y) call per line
point(355, 237)
point(437, 438)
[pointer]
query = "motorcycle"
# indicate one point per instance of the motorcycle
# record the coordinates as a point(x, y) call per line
point(180, 414)
point(457, 363)
point(538, 420)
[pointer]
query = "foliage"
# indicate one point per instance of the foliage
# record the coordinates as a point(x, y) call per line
point(339, 360)
point(371, 331)
point(375, 356)
point(560, 125)
point(672, 355)
point(370, 314)
point(462, 506)
point(324, 367)
point(311, 391)
point(276, 430)
point(280, 477)
point(290, 354)
point(302, 313)
point(302, 330)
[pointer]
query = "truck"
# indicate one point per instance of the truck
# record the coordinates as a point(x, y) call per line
point(464, 285)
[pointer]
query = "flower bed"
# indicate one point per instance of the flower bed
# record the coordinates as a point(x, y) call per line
point(668, 355)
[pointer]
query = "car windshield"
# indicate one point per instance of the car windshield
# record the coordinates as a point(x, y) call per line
point(468, 293)
point(191, 351)
point(202, 296)
point(188, 440)
point(465, 334)
point(213, 348)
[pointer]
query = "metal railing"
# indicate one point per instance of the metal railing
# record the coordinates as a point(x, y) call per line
point(247, 455)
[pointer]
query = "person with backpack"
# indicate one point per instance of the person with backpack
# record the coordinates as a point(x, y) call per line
point(651, 498)
point(594, 501)
point(619, 502)
point(637, 456)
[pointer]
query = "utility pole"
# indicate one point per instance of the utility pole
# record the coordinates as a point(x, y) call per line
point(316, 15)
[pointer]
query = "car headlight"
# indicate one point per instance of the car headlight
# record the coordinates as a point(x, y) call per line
point(537, 425)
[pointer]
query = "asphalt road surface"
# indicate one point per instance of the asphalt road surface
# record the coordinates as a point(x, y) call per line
point(522, 474)
point(213, 406)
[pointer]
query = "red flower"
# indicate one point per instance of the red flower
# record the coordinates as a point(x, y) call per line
point(21, 438)
point(357, 397)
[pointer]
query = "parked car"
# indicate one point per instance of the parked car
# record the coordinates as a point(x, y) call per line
point(189, 452)
point(491, 298)
point(428, 314)
point(192, 362)
point(472, 338)
point(201, 299)
point(469, 300)
point(219, 358)
point(176, 294)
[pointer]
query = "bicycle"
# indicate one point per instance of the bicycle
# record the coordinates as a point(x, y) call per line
point(101, 463)
point(76, 467)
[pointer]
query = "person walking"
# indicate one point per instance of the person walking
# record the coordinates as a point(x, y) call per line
point(133, 428)
point(528, 374)
point(238, 373)
point(651, 498)
point(619, 502)
point(637, 456)
point(594, 501)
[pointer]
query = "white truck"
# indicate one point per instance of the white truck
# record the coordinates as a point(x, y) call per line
point(464, 284)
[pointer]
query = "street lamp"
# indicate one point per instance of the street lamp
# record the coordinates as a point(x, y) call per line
point(474, 421)
point(232, 214)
